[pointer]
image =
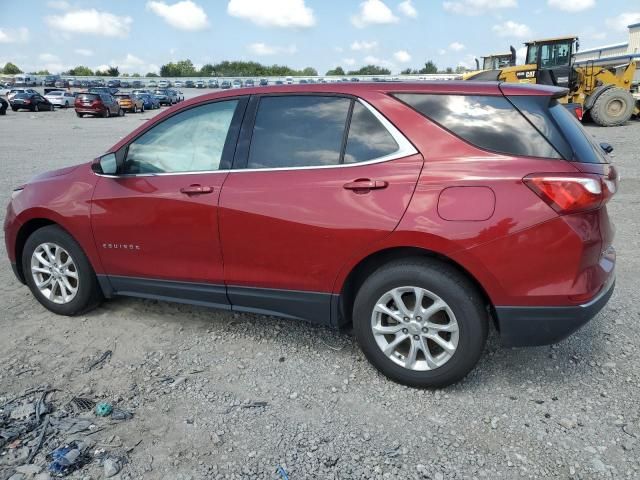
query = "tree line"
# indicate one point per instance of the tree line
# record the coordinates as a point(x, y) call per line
point(185, 68)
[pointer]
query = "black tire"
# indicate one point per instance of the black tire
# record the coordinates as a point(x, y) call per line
point(106, 113)
point(36, 107)
point(135, 109)
point(142, 109)
point(78, 114)
point(121, 113)
point(612, 108)
point(14, 109)
point(66, 104)
point(451, 286)
point(89, 294)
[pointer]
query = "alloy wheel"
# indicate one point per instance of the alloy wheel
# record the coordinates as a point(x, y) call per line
point(54, 272)
point(415, 328)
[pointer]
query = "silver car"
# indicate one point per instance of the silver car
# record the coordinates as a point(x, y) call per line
point(60, 98)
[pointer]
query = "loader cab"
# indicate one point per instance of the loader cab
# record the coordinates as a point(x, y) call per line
point(554, 60)
point(498, 61)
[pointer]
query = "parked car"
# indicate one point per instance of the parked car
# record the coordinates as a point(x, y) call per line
point(152, 84)
point(84, 83)
point(178, 84)
point(508, 222)
point(225, 84)
point(264, 82)
point(61, 98)
point(113, 83)
point(137, 84)
point(62, 83)
point(3, 106)
point(176, 94)
point(106, 90)
point(279, 82)
point(189, 84)
point(125, 84)
point(302, 81)
point(98, 105)
point(213, 83)
point(200, 84)
point(30, 101)
point(150, 101)
point(130, 103)
point(75, 83)
point(249, 83)
point(165, 97)
point(14, 91)
point(236, 83)
point(164, 84)
point(50, 80)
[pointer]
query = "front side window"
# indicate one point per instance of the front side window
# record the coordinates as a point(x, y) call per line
point(555, 55)
point(298, 131)
point(489, 122)
point(532, 54)
point(190, 141)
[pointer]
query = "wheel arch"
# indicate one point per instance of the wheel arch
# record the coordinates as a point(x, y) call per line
point(375, 260)
point(25, 231)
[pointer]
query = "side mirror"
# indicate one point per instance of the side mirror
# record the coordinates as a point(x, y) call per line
point(606, 147)
point(105, 165)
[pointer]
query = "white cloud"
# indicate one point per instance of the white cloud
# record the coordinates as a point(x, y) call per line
point(273, 13)
point(91, 22)
point(407, 9)
point(402, 56)
point(572, 5)
point(477, 7)
point(622, 21)
point(456, 47)
point(358, 46)
point(512, 29)
point(18, 35)
point(373, 12)
point(184, 15)
point(349, 61)
point(373, 60)
point(58, 4)
point(48, 57)
point(260, 48)
point(85, 52)
point(130, 64)
point(102, 67)
point(442, 51)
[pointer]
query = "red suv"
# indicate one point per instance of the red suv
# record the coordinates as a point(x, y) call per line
point(97, 104)
point(418, 213)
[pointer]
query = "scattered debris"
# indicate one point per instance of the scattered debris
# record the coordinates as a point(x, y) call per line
point(79, 405)
point(254, 405)
point(104, 409)
point(119, 414)
point(68, 458)
point(283, 473)
point(111, 466)
point(103, 358)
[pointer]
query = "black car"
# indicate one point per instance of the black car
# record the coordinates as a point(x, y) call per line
point(113, 84)
point(137, 84)
point(249, 83)
point(3, 106)
point(30, 101)
point(225, 84)
point(50, 80)
point(189, 84)
point(264, 82)
point(124, 84)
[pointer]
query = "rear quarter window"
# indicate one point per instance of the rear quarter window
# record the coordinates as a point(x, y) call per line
point(488, 122)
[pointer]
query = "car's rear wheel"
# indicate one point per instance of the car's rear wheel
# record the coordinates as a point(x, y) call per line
point(106, 113)
point(58, 272)
point(78, 114)
point(66, 104)
point(420, 322)
point(36, 107)
point(14, 109)
point(121, 112)
point(135, 109)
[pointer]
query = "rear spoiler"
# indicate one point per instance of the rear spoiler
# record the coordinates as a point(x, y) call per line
point(522, 89)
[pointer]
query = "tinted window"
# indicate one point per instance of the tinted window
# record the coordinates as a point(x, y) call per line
point(489, 122)
point(22, 95)
point(298, 131)
point(368, 139)
point(88, 97)
point(191, 141)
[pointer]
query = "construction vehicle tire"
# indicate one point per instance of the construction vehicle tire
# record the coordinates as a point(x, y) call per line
point(613, 107)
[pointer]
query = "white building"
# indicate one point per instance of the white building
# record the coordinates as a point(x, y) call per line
point(618, 53)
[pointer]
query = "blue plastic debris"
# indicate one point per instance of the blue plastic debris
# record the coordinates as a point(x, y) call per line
point(283, 473)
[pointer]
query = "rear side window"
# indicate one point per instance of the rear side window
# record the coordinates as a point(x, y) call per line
point(368, 139)
point(584, 146)
point(489, 122)
point(298, 131)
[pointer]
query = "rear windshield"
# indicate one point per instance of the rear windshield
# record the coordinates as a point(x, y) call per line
point(488, 122)
point(22, 95)
point(88, 96)
point(561, 128)
point(54, 94)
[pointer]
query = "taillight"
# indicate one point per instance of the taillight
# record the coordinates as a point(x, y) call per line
point(579, 112)
point(572, 193)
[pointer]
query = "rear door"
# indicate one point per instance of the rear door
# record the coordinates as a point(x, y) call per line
point(316, 178)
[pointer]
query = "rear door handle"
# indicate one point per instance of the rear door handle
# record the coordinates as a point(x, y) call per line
point(196, 190)
point(364, 185)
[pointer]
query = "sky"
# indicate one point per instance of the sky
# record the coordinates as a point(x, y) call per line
point(141, 35)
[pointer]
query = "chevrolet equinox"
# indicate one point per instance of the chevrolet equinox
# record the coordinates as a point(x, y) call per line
point(417, 213)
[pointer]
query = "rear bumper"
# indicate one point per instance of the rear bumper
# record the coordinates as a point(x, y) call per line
point(531, 326)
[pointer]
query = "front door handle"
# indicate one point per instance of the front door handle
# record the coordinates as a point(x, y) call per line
point(363, 185)
point(196, 190)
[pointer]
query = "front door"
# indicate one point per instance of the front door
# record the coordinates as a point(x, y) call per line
point(156, 223)
point(323, 177)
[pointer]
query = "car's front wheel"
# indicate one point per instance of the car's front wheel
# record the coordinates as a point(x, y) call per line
point(420, 322)
point(58, 272)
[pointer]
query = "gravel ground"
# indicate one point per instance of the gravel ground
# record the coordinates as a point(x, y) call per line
point(192, 375)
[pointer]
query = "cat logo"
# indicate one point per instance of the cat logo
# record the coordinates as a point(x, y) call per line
point(527, 76)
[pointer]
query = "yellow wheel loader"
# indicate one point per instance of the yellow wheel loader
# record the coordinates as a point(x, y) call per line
point(602, 89)
point(490, 63)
